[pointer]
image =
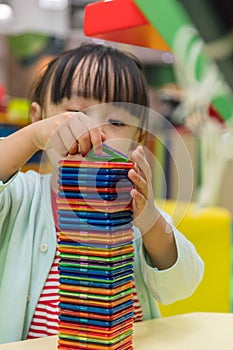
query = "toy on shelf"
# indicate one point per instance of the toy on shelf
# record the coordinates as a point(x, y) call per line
point(121, 21)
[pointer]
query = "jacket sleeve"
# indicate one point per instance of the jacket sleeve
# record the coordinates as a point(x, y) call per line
point(181, 279)
point(8, 199)
point(3, 185)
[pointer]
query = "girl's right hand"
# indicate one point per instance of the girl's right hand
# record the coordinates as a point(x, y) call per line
point(68, 133)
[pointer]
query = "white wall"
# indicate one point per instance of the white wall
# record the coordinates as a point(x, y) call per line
point(3, 57)
point(28, 17)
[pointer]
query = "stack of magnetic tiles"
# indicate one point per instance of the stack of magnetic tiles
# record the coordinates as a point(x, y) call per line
point(96, 255)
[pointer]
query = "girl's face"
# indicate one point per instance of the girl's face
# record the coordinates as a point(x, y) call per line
point(119, 126)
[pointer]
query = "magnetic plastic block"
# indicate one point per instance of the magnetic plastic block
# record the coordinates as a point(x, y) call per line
point(121, 21)
point(209, 229)
point(95, 292)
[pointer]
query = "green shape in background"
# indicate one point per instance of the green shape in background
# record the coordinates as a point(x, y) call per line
point(168, 17)
point(159, 75)
point(27, 45)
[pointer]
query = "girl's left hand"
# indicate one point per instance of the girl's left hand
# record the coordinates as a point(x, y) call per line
point(144, 209)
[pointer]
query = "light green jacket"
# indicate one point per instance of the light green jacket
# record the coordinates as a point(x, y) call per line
point(27, 249)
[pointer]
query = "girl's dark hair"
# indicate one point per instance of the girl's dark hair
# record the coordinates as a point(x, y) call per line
point(97, 72)
point(104, 74)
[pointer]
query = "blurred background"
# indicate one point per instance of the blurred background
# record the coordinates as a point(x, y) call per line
point(180, 78)
point(186, 48)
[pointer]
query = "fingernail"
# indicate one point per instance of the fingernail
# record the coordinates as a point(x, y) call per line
point(98, 150)
point(140, 149)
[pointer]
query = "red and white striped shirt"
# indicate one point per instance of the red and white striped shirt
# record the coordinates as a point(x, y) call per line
point(45, 319)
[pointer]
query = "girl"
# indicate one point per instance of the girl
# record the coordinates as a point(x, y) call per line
point(166, 268)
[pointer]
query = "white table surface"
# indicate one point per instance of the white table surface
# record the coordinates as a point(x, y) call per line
point(194, 331)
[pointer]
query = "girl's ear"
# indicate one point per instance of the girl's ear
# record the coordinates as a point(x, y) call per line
point(35, 112)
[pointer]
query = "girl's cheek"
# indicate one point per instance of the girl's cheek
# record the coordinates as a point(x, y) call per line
point(109, 133)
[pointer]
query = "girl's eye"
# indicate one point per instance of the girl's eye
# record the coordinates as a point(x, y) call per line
point(116, 122)
point(76, 111)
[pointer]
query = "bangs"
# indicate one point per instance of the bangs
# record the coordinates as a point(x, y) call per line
point(104, 76)
point(97, 72)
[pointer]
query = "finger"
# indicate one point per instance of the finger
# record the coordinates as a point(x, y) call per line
point(56, 143)
point(85, 143)
point(140, 149)
point(74, 149)
point(96, 139)
point(139, 171)
point(139, 200)
point(80, 134)
point(77, 125)
point(68, 139)
point(103, 136)
point(94, 132)
point(88, 135)
point(138, 156)
point(139, 182)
